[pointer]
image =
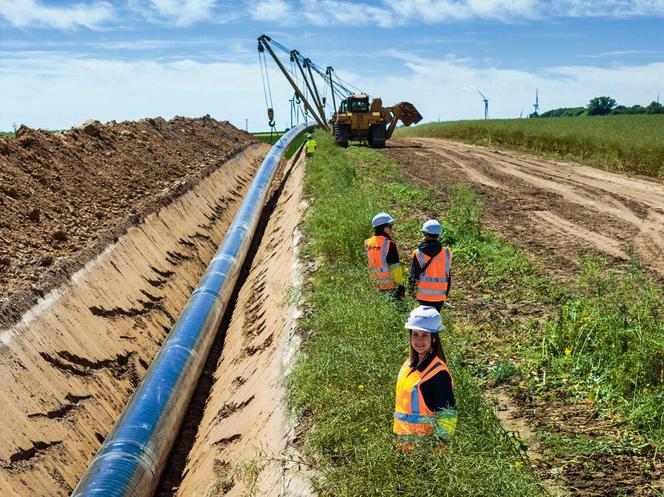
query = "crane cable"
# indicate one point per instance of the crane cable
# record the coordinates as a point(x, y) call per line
point(267, 90)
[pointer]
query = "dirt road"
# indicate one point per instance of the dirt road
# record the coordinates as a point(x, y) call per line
point(554, 210)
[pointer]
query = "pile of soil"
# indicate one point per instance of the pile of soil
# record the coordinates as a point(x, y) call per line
point(65, 196)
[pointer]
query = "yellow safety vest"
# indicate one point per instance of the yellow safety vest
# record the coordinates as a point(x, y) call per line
point(412, 417)
point(311, 146)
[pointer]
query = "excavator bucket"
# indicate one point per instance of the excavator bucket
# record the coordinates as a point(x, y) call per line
point(407, 113)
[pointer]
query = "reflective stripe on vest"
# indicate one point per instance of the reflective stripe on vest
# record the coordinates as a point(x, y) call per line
point(379, 271)
point(433, 283)
point(412, 417)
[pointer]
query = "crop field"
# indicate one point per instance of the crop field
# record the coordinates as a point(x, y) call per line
point(629, 143)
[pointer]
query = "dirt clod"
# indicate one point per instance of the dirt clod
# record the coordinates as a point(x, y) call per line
point(69, 194)
point(34, 215)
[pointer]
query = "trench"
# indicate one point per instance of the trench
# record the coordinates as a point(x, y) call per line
point(73, 360)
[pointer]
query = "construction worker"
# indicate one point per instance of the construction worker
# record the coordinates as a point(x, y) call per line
point(430, 278)
point(425, 404)
point(310, 145)
point(383, 257)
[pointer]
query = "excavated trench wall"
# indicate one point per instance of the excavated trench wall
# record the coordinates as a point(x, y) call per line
point(69, 367)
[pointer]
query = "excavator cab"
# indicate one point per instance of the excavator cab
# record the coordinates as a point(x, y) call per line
point(358, 103)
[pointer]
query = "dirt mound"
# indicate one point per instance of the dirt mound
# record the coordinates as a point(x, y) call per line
point(65, 196)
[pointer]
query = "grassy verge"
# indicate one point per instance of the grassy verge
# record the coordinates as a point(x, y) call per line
point(632, 143)
point(7, 134)
point(345, 378)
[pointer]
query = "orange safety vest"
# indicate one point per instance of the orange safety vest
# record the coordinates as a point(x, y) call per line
point(433, 284)
point(412, 417)
point(379, 272)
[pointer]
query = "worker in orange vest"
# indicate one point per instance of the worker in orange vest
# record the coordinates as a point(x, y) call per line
point(383, 257)
point(430, 278)
point(425, 404)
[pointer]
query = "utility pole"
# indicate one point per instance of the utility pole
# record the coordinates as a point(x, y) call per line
point(246, 125)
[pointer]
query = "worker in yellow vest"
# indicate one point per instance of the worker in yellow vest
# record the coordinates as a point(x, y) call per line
point(310, 145)
point(430, 279)
point(425, 405)
point(383, 257)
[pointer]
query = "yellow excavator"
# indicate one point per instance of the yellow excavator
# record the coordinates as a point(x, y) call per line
point(358, 117)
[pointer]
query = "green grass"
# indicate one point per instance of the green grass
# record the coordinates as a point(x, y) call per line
point(600, 339)
point(268, 137)
point(7, 134)
point(624, 142)
point(344, 380)
point(608, 338)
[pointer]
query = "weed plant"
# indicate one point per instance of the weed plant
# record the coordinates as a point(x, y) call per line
point(624, 142)
point(609, 338)
point(346, 375)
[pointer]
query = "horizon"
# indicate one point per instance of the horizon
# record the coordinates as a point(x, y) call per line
point(72, 62)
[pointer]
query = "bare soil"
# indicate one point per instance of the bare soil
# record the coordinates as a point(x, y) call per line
point(556, 211)
point(71, 363)
point(65, 196)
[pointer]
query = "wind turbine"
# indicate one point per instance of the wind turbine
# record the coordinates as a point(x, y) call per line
point(486, 104)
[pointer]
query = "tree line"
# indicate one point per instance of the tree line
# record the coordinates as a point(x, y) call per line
point(602, 106)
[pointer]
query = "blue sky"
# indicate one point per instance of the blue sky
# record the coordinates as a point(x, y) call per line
point(64, 62)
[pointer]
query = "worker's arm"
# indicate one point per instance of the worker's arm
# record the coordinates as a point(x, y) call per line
point(438, 395)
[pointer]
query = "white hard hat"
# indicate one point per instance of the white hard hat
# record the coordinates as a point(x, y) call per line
point(309, 136)
point(431, 227)
point(381, 218)
point(425, 318)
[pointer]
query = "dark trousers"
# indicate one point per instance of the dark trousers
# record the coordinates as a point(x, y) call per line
point(437, 305)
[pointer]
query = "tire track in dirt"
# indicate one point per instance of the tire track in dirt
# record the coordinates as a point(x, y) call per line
point(69, 366)
point(557, 211)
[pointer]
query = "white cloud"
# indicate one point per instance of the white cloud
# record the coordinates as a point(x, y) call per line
point(184, 12)
point(443, 88)
point(57, 91)
point(180, 13)
point(389, 13)
point(272, 10)
point(31, 13)
point(433, 11)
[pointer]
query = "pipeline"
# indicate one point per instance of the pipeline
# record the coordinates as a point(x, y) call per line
point(131, 459)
